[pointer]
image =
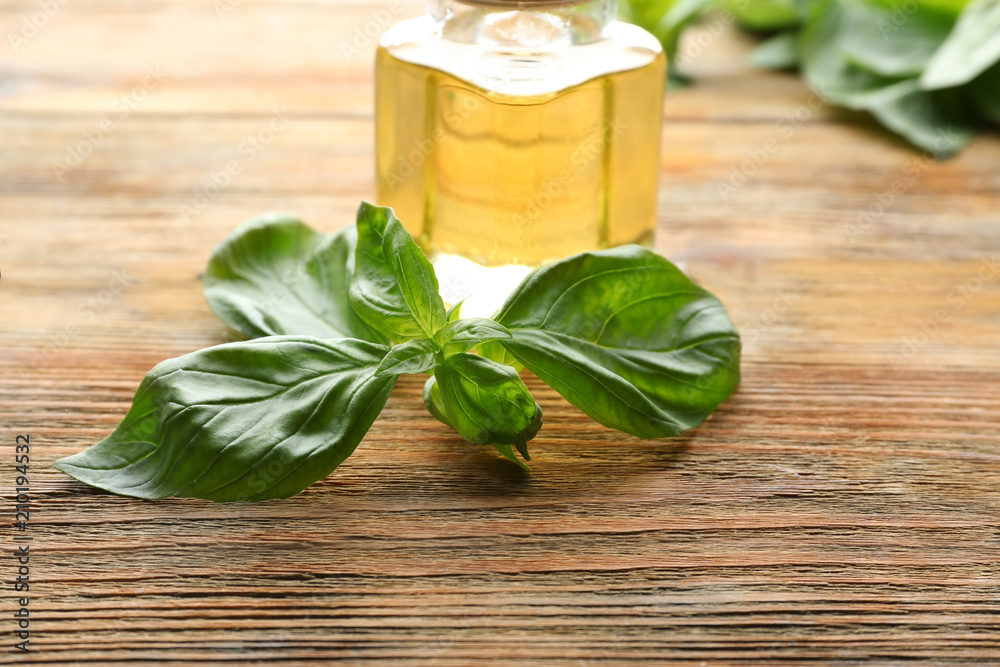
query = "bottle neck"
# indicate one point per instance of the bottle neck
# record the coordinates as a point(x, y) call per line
point(524, 24)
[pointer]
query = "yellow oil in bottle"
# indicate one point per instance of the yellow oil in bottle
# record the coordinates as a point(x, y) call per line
point(517, 175)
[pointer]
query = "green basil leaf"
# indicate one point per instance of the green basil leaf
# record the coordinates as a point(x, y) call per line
point(778, 52)
point(626, 337)
point(487, 403)
point(824, 66)
point(763, 15)
point(971, 48)
point(276, 276)
point(434, 401)
point(411, 357)
point(463, 335)
point(932, 121)
point(843, 56)
point(886, 40)
point(244, 421)
point(924, 118)
point(493, 350)
point(394, 288)
point(666, 19)
point(985, 92)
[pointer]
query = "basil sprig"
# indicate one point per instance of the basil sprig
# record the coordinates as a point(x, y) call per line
point(335, 320)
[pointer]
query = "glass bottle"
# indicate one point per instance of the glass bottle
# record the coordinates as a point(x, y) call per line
point(513, 133)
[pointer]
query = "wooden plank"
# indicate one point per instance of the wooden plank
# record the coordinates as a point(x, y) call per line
point(842, 507)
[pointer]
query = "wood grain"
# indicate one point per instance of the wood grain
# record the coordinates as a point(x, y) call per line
point(842, 508)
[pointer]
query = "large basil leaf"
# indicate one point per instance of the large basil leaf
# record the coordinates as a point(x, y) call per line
point(276, 276)
point(626, 337)
point(971, 48)
point(394, 288)
point(486, 402)
point(241, 422)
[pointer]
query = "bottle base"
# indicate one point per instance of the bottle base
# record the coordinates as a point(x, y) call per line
point(483, 288)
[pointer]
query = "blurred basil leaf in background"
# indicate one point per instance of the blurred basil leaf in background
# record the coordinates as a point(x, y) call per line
point(763, 15)
point(666, 19)
point(925, 69)
point(971, 48)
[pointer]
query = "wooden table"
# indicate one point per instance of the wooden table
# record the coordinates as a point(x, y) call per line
point(842, 507)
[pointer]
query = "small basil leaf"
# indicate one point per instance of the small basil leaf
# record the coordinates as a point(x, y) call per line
point(626, 337)
point(244, 421)
point(455, 312)
point(411, 357)
point(394, 288)
point(507, 452)
point(487, 403)
point(971, 48)
point(276, 276)
point(433, 400)
point(463, 335)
